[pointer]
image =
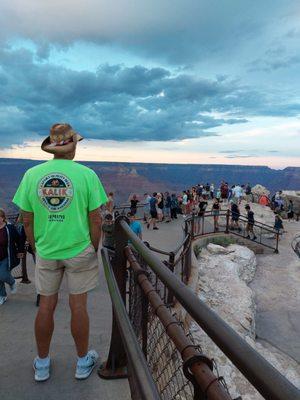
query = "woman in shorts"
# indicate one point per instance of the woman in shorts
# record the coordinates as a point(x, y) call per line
point(235, 216)
point(215, 211)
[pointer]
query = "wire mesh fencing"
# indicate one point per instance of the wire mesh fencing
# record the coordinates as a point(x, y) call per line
point(163, 357)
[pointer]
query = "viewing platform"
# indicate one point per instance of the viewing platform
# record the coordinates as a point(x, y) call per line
point(17, 342)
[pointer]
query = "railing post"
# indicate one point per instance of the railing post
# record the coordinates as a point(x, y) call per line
point(276, 251)
point(192, 227)
point(24, 269)
point(187, 260)
point(170, 299)
point(116, 365)
point(227, 221)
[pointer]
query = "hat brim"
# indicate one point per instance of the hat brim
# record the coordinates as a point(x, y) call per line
point(65, 149)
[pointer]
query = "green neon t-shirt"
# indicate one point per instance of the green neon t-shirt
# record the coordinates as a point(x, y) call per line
point(60, 193)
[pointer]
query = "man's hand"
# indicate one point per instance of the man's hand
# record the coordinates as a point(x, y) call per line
point(28, 226)
point(95, 222)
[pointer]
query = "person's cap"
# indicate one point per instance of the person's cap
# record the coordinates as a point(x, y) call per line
point(62, 139)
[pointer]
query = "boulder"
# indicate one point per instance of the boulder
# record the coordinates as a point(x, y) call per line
point(222, 284)
point(295, 197)
point(246, 261)
point(217, 249)
point(259, 190)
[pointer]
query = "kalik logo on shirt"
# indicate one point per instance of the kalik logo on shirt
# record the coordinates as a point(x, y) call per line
point(55, 192)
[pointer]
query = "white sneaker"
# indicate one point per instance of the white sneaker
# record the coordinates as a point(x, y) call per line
point(41, 372)
point(2, 300)
point(13, 288)
point(83, 371)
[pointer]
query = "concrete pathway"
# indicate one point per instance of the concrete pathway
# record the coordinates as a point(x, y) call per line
point(276, 286)
point(277, 294)
point(17, 345)
point(168, 237)
point(17, 349)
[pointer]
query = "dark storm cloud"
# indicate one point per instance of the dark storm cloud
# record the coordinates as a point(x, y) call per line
point(179, 31)
point(120, 103)
point(114, 103)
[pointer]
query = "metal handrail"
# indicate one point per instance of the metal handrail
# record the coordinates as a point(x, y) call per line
point(146, 386)
point(296, 244)
point(244, 217)
point(259, 372)
point(185, 239)
point(201, 368)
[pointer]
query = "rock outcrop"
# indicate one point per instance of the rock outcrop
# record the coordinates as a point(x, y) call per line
point(258, 191)
point(295, 197)
point(224, 274)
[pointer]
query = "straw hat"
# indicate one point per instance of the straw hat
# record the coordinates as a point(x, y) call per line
point(62, 139)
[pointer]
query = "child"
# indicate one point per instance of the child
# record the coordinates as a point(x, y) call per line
point(278, 225)
point(135, 225)
point(250, 223)
point(108, 228)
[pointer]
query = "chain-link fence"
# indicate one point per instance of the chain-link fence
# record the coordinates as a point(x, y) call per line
point(163, 356)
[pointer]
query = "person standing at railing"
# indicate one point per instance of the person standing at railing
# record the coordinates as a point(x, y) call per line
point(174, 206)
point(167, 207)
point(108, 228)
point(216, 213)
point(235, 216)
point(153, 212)
point(250, 223)
point(224, 191)
point(135, 225)
point(200, 213)
point(278, 225)
point(60, 202)
point(11, 251)
point(133, 204)
point(212, 191)
point(184, 203)
point(237, 192)
point(147, 199)
point(160, 207)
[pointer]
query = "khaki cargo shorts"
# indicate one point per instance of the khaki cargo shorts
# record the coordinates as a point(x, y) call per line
point(82, 273)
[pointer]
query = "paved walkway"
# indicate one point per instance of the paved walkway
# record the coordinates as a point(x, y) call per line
point(17, 349)
point(277, 294)
point(17, 346)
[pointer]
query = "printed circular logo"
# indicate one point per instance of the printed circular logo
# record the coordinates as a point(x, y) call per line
point(55, 192)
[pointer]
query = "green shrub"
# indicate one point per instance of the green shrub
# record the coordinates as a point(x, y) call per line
point(223, 241)
point(197, 250)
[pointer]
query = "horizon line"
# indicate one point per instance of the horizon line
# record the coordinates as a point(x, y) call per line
point(160, 163)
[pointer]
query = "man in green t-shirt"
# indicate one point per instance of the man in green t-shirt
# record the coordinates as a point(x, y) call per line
point(60, 202)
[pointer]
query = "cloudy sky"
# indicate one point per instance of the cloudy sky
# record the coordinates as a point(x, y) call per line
point(178, 81)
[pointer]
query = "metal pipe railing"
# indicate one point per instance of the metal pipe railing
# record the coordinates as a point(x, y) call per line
point(198, 363)
point(147, 389)
point(260, 373)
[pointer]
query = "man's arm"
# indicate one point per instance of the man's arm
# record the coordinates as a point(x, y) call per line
point(95, 222)
point(28, 218)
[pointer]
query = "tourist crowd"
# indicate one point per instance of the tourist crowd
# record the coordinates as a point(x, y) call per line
point(199, 200)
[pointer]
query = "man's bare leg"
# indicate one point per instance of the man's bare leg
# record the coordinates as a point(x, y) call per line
point(79, 322)
point(44, 324)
